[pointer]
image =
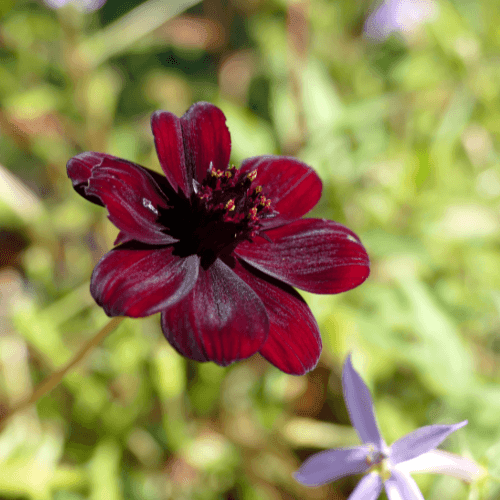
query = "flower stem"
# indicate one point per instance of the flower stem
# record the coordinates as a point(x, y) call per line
point(53, 380)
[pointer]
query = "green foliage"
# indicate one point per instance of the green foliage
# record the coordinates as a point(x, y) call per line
point(404, 134)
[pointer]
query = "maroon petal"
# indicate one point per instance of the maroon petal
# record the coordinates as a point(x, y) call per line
point(206, 139)
point(292, 186)
point(293, 344)
point(80, 168)
point(316, 255)
point(221, 320)
point(122, 237)
point(138, 282)
point(170, 148)
point(133, 200)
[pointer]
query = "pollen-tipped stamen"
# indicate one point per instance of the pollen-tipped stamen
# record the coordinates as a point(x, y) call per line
point(252, 175)
point(230, 210)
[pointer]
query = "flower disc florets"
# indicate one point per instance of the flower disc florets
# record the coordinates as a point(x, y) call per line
point(229, 207)
point(225, 209)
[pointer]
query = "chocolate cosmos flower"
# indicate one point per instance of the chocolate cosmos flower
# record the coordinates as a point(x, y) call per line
point(217, 250)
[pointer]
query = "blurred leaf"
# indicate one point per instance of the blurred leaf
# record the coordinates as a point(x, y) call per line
point(451, 373)
point(29, 470)
point(130, 28)
point(323, 107)
point(104, 471)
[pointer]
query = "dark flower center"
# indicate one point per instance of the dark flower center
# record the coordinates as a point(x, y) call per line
point(224, 210)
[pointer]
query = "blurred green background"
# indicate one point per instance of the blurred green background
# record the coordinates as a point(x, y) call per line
point(404, 133)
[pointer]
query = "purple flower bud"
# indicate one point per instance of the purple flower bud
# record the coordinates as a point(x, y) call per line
point(398, 16)
point(85, 5)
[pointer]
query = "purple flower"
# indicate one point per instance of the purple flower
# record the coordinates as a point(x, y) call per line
point(399, 16)
point(387, 466)
point(87, 5)
point(217, 250)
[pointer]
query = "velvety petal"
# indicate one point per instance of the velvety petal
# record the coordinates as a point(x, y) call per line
point(292, 186)
point(316, 255)
point(169, 144)
point(221, 320)
point(133, 200)
point(420, 441)
point(140, 281)
point(79, 169)
point(444, 462)
point(401, 486)
point(206, 139)
point(360, 406)
point(122, 237)
point(327, 466)
point(368, 488)
point(294, 343)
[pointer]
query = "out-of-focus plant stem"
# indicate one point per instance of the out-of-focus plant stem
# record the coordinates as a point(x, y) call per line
point(54, 379)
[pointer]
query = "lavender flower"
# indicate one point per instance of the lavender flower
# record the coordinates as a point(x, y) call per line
point(387, 466)
point(399, 16)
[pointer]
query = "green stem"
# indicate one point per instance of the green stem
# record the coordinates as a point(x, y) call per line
point(53, 380)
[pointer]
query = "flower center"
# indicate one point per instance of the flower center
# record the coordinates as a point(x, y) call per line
point(226, 209)
point(374, 456)
point(380, 462)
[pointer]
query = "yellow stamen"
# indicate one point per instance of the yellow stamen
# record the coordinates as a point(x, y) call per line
point(230, 205)
point(252, 175)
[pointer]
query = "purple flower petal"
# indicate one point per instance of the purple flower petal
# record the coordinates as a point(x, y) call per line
point(221, 320)
point(132, 198)
point(401, 486)
point(138, 282)
point(399, 16)
point(293, 187)
point(329, 465)
point(421, 440)
point(170, 149)
point(294, 343)
point(316, 255)
point(443, 462)
point(368, 488)
point(207, 142)
point(360, 406)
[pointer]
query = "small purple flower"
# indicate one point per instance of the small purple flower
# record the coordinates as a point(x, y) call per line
point(387, 466)
point(86, 5)
point(399, 16)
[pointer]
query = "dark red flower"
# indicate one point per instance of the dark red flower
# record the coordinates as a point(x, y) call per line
point(217, 250)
